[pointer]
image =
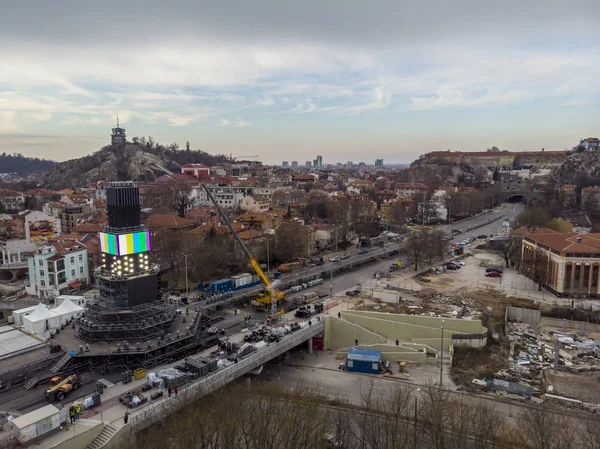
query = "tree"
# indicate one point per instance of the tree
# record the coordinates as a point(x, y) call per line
point(493, 150)
point(511, 250)
point(291, 242)
point(536, 266)
point(534, 217)
point(560, 225)
point(417, 247)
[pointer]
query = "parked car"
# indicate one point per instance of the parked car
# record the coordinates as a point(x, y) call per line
point(363, 251)
point(482, 236)
point(459, 262)
point(344, 256)
point(455, 263)
point(490, 269)
point(493, 274)
point(451, 267)
point(334, 259)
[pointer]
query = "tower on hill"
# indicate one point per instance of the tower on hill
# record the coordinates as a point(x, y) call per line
point(118, 136)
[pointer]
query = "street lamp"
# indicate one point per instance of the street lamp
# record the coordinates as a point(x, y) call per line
point(187, 290)
point(442, 355)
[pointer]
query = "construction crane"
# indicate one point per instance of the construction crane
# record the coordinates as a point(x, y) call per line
point(271, 295)
point(61, 387)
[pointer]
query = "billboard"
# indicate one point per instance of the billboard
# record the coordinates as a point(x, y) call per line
point(125, 244)
point(41, 230)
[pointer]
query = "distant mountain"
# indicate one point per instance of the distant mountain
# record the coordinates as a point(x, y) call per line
point(24, 166)
point(129, 162)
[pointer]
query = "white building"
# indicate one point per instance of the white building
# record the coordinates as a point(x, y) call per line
point(228, 198)
point(57, 269)
point(249, 204)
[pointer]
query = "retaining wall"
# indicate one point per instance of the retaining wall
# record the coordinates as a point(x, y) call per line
point(529, 316)
point(341, 334)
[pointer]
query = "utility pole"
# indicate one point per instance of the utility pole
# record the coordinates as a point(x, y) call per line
point(268, 260)
point(442, 355)
point(187, 290)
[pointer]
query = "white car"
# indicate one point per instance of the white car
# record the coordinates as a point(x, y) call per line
point(459, 262)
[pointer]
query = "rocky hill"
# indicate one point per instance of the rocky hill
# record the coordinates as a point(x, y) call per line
point(581, 168)
point(132, 161)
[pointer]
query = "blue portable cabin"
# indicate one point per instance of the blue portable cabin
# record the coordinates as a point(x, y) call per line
point(221, 286)
point(366, 361)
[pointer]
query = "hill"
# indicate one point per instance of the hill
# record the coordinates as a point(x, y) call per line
point(129, 162)
point(23, 166)
point(580, 168)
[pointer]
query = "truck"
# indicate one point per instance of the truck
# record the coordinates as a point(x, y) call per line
point(59, 387)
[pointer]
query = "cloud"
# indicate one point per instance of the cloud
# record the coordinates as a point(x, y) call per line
point(303, 107)
point(265, 101)
point(579, 103)
point(379, 100)
point(224, 122)
point(7, 121)
point(241, 123)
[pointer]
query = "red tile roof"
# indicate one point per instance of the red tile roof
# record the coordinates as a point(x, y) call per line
point(570, 242)
point(168, 221)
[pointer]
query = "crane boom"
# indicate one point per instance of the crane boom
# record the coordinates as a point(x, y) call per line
point(272, 295)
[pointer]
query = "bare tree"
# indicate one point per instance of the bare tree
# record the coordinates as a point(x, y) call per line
point(536, 266)
point(291, 242)
point(511, 250)
point(416, 246)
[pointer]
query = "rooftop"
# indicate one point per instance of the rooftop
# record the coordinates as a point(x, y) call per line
point(364, 355)
point(570, 242)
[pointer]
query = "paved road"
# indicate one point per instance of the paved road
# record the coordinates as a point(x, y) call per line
point(494, 218)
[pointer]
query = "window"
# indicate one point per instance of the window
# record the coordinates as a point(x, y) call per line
point(41, 263)
point(80, 257)
point(72, 273)
point(72, 259)
point(41, 272)
point(80, 270)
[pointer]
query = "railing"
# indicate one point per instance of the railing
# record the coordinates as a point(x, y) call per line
point(159, 409)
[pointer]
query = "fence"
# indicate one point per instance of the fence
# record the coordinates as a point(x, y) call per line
point(188, 394)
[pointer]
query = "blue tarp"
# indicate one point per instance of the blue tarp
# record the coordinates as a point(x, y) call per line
point(364, 355)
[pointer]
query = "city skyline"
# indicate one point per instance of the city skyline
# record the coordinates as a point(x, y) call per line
point(388, 80)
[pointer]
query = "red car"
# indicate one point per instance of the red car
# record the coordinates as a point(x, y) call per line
point(493, 274)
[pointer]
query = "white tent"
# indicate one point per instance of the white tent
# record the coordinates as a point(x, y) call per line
point(67, 310)
point(40, 320)
point(19, 314)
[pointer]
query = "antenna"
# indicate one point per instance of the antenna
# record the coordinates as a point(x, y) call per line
point(117, 120)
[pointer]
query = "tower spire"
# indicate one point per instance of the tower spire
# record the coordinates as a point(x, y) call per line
point(117, 120)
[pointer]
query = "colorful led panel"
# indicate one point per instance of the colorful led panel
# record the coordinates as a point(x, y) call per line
point(125, 244)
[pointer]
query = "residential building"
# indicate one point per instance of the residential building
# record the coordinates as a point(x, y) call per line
point(11, 200)
point(294, 165)
point(228, 198)
point(60, 268)
point(590, 144)
point(250, 204)
point(572, 261)
point(566, 195)
point(198, 171)
point(398, 209)
point(260, 221)
point(285, 164)
point(165, 221)
point(308, 164)
point(100, 191)
point(415, 190)
point(379, 163)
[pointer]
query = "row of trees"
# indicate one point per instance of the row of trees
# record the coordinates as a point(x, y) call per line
point(266, 416)
point(426, 246)
point(217, 255)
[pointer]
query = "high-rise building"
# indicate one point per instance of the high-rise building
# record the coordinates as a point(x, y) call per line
point(350, 164)
point(308, 164)
point(319, 161)
point(294, 165)
point(128, 306)
point(285, 164)
point(378, 162)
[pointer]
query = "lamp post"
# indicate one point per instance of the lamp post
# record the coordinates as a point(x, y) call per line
point(187, 290)
point(442, 355)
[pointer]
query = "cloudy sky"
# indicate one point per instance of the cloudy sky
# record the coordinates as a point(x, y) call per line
point(351, 79)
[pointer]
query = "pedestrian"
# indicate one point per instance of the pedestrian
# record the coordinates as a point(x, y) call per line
point(170, 391)
point(126, 418)
point(356, 342)
point(340, 315)
point(397, 342)
point(310, 322)
point(176, 390)
point(77, 411)
point(72, 413)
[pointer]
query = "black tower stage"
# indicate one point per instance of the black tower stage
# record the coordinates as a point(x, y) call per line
point(128, 307)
